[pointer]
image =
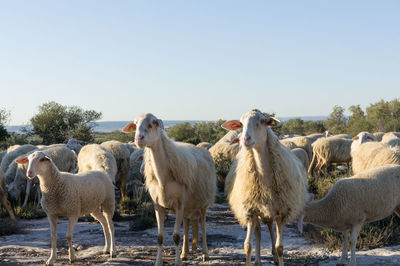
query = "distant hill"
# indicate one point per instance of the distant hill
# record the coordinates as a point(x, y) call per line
point(109, 126)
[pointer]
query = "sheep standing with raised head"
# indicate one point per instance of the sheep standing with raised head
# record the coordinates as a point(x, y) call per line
point(366, 197)
point(73, 195)
point(121, 155)
point(96, 157)
point(3, 196)
point(179, 176)
point(268, 182)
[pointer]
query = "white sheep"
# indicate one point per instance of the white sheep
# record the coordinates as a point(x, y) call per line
point(96, 157)
point(179, 177)
point(10, 156)
point(227, 146)
point(302, 155)
point(327, 151)
point(366, 197)
point(268, 182)
point(304, 143)
point(205, 145)
point(73, 195)
point(121, 155)
point(366, 155)
point(389, 136)
point(3, 196)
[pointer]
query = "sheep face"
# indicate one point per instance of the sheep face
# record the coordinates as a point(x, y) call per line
point(35, 162)
point(364, 137)
point(148, 130)
point(253, 124)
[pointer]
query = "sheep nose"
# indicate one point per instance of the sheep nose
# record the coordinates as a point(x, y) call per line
point(30, 173)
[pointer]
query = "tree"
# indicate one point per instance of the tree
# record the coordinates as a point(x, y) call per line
point(183, 132)
point(293, 126)
point(384, 116)
point(336, 121)
point(357, 121)
point(55, 123)
point(311, 127)
point(4, 115)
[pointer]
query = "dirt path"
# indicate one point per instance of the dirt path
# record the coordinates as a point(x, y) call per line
point(225, 241)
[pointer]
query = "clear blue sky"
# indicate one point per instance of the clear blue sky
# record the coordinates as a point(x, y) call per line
point(197, 60)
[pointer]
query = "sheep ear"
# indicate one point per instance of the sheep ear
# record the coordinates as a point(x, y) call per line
point(22, 160)
point(139, 159)
point(234, 141)
point(272, 122)
point(355, 138)
point(232, 125)
point(131, 127)
point(159, 123)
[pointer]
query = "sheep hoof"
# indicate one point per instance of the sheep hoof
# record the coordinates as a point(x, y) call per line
point(113, 254)
point(49, 262)
point(205, 257)
point(183, 256)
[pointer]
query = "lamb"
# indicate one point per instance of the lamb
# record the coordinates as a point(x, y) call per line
point(10, 156)
point(266, 182)
point(64, 158)
point(73, 195)
point(366, 197)
point(179, 177)
point(96, 157)
point(121, 155)
point(327, 151)
point(227, 146)
point(366, 155)
point(302, 156)
point(205, 145)
point(3, 196)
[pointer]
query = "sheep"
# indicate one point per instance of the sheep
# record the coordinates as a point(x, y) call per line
point(179, 177)
point(366, 155)
point(205, 145)
point(73, 195)
point(130, 147)
point(2, 154)
point(121, 155)
point(378, 135)
point(366, 197)
point(227, 146)
point(394, 142)
point(64, 158)
point(136, 178)
point(74, 145)
point(10, 156)
point(302, 156)
point(267, 182)
point(389, 136)
point(3, 196)
point(13, 147)
point(289, 144)
point(341, 136)
point(96, 157)
point(327, 151)
point(304, 143)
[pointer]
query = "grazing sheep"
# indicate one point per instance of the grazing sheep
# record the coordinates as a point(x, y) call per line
point(302, 156)
point(327, 151)
point(3, 196)
point(205, 145)
point(64, 158)
point(73, 195)
point(10, 156)
point(96, 157)
point(366, 197)
point(74, 145)
point(366, 155)
point(378, 135)
point(228, 146)
point(179, 177)
point(121, 155)
point(267, 182)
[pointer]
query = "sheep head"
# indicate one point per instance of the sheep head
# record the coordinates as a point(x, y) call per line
point(35, 163)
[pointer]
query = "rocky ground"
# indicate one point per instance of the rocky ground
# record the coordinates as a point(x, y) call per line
point(225, 242)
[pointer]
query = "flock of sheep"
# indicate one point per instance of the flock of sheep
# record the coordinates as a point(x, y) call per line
point(267, 181)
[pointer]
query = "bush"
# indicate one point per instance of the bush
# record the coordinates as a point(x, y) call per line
point(222, 166)
point(31, 211)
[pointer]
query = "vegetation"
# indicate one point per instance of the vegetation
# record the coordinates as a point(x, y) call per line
point(55, 123)
point(114, 135)
point(4, 115)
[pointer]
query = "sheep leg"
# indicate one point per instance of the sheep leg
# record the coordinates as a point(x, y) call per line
point(185, 249)
point(270, 224)
point(71, 225)
point(53, 239)
point(204, 249)
point(7, 205)
point(279, 245)
point(176, 236)
point(195, 234)
point(98, 215)
point(353, 241)
point(160, 215)
point(257, 232)
point(123, 188)
point(110, 224)
point(248, 241)
point(27, 192)
point(343, 258)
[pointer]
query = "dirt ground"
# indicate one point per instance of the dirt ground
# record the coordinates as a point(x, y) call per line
point(225, 242)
